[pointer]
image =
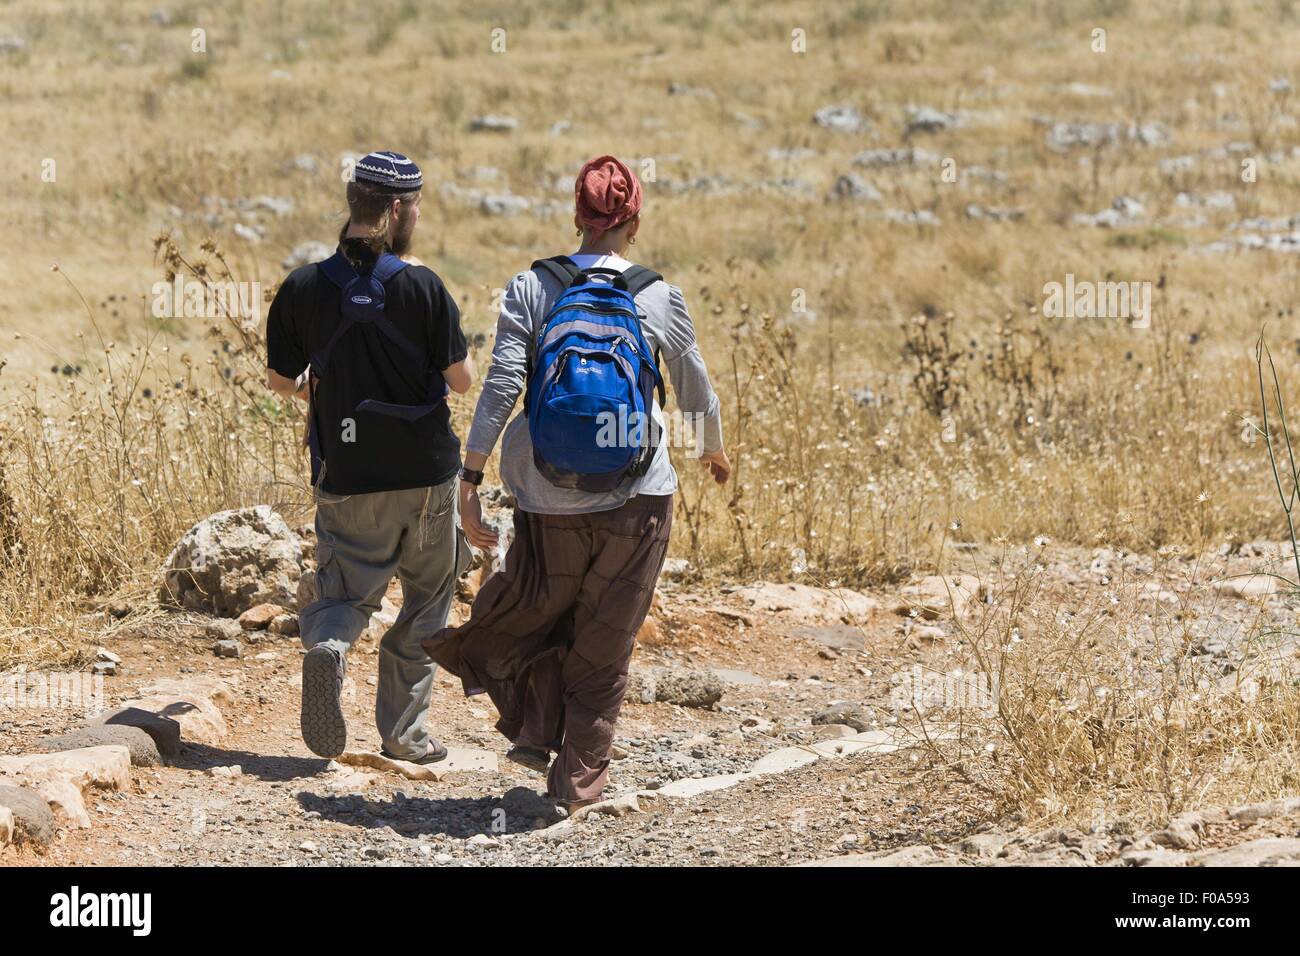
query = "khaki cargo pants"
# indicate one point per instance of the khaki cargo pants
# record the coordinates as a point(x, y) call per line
point(361, 542)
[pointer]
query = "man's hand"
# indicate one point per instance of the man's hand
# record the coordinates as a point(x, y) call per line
point(460, 377)
point(471, 518)
point(286, 387)
point(718, 465)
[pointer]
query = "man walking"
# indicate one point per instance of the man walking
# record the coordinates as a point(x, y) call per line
point(371, 339)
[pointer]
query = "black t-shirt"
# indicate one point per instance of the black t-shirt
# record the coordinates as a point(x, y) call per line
point(365, 451)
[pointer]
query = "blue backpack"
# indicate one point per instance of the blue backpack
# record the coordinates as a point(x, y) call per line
point(385, 430)
point(592, 380)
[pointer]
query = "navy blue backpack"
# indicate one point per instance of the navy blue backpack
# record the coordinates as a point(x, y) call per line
point(592, 380)
point(384, 431)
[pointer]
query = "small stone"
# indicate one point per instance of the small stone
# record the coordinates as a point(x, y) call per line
point(619, 806)
point(223, 629)
point(927, 119)
point(845, 714)
point(676, 568)
point(228, 649)
point(226, 773)
point(844, 119)
point(260, 616)
point(494, 124)
point(284, 624)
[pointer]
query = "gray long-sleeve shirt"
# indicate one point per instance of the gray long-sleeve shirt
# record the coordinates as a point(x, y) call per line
point(667, 327)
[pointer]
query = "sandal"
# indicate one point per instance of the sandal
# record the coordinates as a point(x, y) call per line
point(435, 752)
point(534, 758)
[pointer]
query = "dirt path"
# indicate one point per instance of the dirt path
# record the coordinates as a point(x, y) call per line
point(288, 806)
point(839, 779)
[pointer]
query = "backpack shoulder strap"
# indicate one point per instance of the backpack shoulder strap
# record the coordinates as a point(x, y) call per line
point(342, 273)
point(638, 278)
point(338, 270)
point(562, 268)
point(387, 267)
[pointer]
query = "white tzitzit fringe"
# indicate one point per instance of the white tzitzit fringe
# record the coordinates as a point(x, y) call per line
point(505, 529)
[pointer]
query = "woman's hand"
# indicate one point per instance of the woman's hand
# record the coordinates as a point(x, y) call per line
point(718, 465)
point(471, 518)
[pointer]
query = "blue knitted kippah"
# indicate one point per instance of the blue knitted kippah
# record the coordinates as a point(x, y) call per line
point(389, 170)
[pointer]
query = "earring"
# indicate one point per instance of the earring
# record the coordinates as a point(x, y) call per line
point(632, 241)
point(578, 233)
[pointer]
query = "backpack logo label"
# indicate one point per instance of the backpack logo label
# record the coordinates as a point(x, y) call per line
point(362, 299)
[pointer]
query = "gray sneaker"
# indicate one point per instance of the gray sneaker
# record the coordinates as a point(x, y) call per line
point(324, 729)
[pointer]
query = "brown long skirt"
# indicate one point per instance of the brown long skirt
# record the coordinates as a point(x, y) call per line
point(550, 636)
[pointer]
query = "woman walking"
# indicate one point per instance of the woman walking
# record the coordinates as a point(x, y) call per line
point(551, 635)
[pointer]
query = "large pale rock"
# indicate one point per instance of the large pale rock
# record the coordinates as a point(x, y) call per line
point(457, 759)
point(192, 704)
point(1247, 587)
point(1254, 812)
point(784, 759)
point(197, 718)
point(6, 826)
point(1269, 851)
point(66, 802)
point(810, 605)
point(620, 806)
point(212, 688)
point(232, 561)
point(839, 637)
point(940, 595)
point(103, 768)
point(32, 817)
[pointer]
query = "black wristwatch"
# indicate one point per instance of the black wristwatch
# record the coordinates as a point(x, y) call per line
point(473, 477)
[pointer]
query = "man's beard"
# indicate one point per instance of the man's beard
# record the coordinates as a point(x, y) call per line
point(400, 242)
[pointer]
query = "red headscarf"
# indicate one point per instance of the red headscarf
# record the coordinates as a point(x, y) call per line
point(608, 194)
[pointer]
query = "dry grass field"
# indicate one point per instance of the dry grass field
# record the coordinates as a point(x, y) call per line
point(869, 286)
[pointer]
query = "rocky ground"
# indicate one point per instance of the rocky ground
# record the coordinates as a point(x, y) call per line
point(761, 727)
